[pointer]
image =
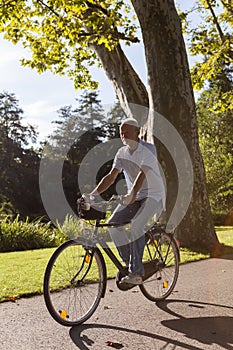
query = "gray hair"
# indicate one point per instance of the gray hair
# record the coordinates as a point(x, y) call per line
point(130, 121)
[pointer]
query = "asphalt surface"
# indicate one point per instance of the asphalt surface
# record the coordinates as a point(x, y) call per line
point(198, 315)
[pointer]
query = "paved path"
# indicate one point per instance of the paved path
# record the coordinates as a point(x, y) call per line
point(197, 316)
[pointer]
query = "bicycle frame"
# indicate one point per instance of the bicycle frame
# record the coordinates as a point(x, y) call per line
point(90, 243)
point(155, 229)
point(82, 283)
point(104, 245)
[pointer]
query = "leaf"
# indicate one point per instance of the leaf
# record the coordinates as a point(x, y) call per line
point(106, 307)
point(59, 34)
point(114, 345)
point(12, 298)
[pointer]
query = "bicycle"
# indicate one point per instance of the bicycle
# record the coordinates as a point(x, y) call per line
point(75, 278)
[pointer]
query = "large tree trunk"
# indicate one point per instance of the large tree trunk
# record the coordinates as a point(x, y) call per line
point(126, 82)
point(170, 94)
point(131, 91)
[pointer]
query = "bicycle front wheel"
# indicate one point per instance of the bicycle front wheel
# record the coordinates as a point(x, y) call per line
point(74, 282)
point(162, 252)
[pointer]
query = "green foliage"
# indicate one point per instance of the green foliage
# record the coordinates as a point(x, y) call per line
point(115, 117)
point(86, 124)
point(211, 42)
point(73, 123)
point(19, 162)
point(11, 126)
point(24, 235)
point(6, 208)
point(215, 135)
point(80, 129)
point(71, 227)
point(60, 33)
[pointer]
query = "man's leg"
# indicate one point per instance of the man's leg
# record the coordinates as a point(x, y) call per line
point(123, 214)
point(148, 208)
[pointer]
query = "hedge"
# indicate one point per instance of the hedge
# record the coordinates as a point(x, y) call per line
point(25, 235)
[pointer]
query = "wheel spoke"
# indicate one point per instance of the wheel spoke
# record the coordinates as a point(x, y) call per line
point(71, 301)
point(160, 284)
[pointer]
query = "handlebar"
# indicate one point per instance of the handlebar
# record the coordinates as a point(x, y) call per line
point(90, 200)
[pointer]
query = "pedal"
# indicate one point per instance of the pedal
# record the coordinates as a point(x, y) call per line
point(123, 286)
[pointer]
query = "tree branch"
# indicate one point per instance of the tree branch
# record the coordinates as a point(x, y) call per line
point(48, 7)
point(122, 36)
point(99, 7)
point(215, 20)
point(128, 86)
point(115, 34)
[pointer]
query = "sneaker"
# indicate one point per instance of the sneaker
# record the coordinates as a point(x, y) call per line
point(132, 278)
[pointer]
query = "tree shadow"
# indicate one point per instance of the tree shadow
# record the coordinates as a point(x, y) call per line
point(206, 330)
point(83, 342)
point(164, 305)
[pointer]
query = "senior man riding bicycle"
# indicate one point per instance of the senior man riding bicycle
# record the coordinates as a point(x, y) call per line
point(145, 197)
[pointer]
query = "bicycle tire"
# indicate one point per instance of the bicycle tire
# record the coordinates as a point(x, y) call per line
point(72, 302)
point(164, 251)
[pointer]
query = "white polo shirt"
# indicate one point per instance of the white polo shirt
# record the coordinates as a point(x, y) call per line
point(131, 163)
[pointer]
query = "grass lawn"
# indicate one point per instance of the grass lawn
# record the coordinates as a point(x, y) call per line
point(225, 235)
point(22, 272)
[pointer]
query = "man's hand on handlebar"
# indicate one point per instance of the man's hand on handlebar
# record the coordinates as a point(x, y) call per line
point(88, 197)
point(122, 199)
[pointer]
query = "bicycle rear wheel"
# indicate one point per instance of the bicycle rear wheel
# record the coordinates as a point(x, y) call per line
point(74, 282)
point(162, 251)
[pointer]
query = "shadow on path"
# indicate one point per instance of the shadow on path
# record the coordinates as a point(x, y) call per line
point(164, 305)
point(206, 330)
point(83, 342)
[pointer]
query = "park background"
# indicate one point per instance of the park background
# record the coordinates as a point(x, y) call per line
point(40, 109)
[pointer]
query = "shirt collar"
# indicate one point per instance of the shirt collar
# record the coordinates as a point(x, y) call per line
point(138, 149)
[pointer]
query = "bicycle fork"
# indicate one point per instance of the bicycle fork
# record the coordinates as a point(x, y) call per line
point(87, 259)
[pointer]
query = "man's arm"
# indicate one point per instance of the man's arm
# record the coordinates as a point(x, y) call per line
point(106, 182)
point(130, 197)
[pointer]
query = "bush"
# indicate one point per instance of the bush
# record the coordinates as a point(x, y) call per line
point(24, 235)
point(6, 208)
point(73, 227)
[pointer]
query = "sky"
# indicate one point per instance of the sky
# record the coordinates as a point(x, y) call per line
point(41, 95)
